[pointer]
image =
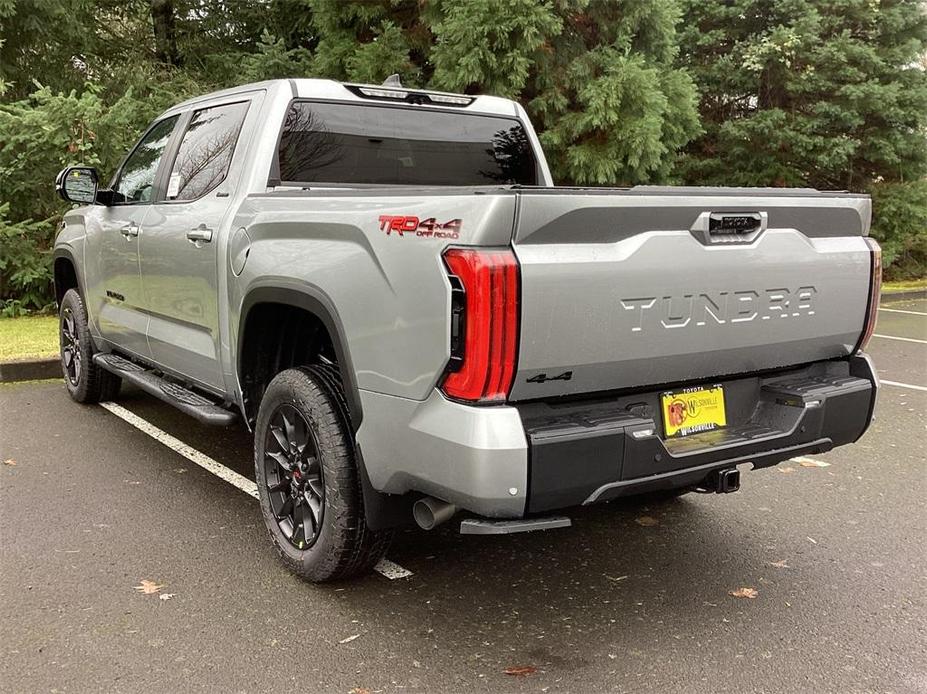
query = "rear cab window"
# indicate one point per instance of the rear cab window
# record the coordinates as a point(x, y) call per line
point(205, 151)
point(369, 144)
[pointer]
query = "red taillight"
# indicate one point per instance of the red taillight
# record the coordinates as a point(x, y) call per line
point(487, 324)
point(875, 290)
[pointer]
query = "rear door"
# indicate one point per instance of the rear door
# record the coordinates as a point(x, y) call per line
point(182, 249)
point(643, 287)
point(114, 287)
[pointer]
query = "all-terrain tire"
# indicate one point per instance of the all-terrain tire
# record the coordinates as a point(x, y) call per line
point(86, 382)
point(343, 545)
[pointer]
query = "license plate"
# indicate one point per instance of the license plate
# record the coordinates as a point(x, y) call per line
point(692, 410)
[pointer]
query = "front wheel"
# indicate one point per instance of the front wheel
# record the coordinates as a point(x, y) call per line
point(86, 382)
point(307, 478)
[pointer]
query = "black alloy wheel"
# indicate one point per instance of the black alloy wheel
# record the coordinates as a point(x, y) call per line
point(293, 475)
point(307, 469)
point(86, 382)
point(70, 347)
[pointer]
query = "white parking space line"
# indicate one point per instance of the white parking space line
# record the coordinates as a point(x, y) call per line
point(899, 310)
point(385, 567)
point(910, 386)
point(178, 446)
point(902, 339)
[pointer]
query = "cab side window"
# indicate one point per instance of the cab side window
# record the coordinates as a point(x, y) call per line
point(135, 182)
point(205, 151)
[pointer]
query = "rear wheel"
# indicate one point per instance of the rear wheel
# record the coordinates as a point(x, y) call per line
point(86, 382)
point(308, 481)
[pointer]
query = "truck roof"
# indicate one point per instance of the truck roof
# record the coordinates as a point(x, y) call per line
point(308, 88)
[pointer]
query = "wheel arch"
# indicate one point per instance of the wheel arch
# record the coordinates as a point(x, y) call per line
point(316, 303)
point(66, 275)
point(381, 510)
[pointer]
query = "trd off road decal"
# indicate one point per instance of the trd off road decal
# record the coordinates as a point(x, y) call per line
point(430, 227)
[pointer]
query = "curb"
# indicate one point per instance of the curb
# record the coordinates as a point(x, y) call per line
point(35, 370)
point(904, 295)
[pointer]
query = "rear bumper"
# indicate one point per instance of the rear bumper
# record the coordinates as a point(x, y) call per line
point(530, 458)
point(582, 453)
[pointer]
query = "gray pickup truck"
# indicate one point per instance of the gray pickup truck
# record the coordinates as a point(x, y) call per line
point(384, 285)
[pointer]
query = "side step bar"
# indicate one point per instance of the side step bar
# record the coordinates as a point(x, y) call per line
point(183, 399)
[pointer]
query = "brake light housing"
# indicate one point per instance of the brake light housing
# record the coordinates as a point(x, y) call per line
point(485, 287)
point(875, 291)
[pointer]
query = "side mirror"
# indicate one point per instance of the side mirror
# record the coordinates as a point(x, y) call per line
point(77, 184)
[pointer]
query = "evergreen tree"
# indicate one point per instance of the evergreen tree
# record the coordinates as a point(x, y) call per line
point(823, 93)
point(597, 76)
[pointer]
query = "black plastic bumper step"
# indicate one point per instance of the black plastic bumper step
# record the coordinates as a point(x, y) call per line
point(486, 526)
point(184, 399)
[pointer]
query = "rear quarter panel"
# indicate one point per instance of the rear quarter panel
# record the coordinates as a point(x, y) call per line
point(390, 290)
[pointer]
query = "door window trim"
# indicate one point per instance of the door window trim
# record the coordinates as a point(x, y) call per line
point(173, 149)
point(155, 190)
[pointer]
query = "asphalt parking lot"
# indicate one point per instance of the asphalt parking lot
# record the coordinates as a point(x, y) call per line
point(631, 598)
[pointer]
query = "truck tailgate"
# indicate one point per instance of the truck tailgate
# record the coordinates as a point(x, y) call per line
point(649, 286)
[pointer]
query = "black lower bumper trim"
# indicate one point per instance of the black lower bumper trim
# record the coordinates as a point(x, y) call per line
point(594, 450)
point(691, 477)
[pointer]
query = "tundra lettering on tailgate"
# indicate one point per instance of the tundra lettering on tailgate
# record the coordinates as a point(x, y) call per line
point(696, 310)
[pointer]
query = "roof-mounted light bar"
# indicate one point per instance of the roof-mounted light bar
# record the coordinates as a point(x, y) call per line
point(449, 99)
point(410, 96)
point(383, 93)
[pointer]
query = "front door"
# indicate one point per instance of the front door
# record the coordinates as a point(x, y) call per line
point(113, 284)
point(181, 248)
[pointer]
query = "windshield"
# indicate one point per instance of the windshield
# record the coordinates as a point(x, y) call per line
point(352, 143)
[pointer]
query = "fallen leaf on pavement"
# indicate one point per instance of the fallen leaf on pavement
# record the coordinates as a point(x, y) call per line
point(744, 593)
point(646, 521)
point(808, 462)
point(9, 461)
point(520, 671)
point(148, 587)
point(359, 690)
point(786, 470)
point(166, 596)
point(781, 564)
point(349, 639)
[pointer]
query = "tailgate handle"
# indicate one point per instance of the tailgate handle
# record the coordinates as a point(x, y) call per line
point(729, 227)
point(735, 222)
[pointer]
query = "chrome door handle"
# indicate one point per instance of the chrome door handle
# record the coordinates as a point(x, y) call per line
point(201, 233)
point(130, 230)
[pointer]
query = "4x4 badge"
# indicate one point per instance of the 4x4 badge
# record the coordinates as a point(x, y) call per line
point(408, 224)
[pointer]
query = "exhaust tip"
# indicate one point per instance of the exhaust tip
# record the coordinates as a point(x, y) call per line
point(429, 512)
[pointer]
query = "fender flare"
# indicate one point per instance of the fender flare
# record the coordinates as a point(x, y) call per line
point(67, 254)
point(319, 304)
point(381, 511)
